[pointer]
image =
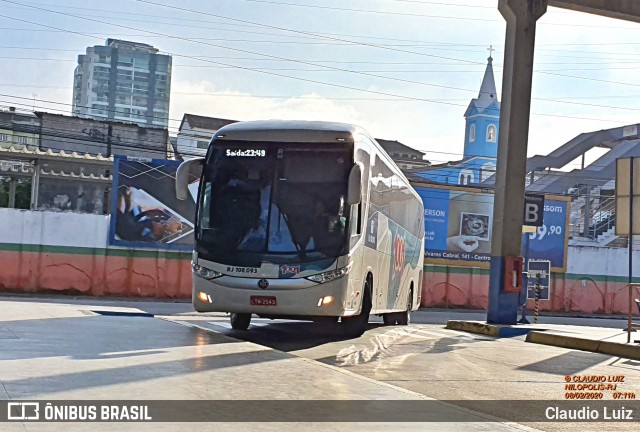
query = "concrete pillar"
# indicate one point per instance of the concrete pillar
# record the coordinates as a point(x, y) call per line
point(521, 17)
point(587, 210)
point(12, 192)
point(35, 185)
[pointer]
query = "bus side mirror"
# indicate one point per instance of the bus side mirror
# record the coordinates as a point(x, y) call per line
point(355, 185)
point(182, 176)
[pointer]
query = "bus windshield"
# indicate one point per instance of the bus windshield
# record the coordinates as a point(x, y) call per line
point(273, 202)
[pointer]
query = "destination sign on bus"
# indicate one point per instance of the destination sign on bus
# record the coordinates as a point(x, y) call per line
point(246, 153)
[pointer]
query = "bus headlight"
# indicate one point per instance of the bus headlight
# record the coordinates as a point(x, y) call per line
point(204, 272)
point(330, 275)
point(204, 297)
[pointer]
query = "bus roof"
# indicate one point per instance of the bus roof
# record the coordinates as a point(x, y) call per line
point(290, 131)
point(297, 131)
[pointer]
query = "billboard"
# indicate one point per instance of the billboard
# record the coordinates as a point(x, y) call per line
point(144, 209)
point(538, 274)
point(627, 196)
point(459, 221)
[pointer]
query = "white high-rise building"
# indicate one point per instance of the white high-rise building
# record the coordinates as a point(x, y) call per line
point(123, 81)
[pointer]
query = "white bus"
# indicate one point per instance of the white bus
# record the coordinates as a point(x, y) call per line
point(304, 220)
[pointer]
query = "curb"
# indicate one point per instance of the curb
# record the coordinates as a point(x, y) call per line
point(483, 328)
point(122, 313)
point(597, 346)
point(547, 338)
point(545, 313)
point(473, 327)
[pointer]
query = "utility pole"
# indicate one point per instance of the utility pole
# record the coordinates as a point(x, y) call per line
point(109, 134)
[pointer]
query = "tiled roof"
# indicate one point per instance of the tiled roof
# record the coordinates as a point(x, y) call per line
point(202, 122)
point(61, 154)
point(397, 147)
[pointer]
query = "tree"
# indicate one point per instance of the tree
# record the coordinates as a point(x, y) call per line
point(23, 192)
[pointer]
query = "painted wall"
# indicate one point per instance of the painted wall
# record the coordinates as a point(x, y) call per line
point(480, 168)
point(481, 146)
point(67, 252)
point(188, 139)
point(86, 135)
point(595, 282)
point(44, 252)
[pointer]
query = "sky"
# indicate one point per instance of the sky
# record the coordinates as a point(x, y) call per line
point(405, 70)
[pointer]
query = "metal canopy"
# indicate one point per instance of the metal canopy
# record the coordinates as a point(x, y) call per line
point(628, 10)
point(521, 17)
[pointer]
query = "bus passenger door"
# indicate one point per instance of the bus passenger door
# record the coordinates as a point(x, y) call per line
point(356, 283)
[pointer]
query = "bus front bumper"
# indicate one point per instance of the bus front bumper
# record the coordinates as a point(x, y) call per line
point(293, 297)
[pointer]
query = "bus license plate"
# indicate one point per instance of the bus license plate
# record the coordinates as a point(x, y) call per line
point(263, 301)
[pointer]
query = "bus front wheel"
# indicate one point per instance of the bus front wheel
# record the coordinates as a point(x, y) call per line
point(240, 321)
point(390, 319)
point(355, 326)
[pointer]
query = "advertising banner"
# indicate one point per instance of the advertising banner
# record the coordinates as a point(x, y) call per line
point(550, 240)
point(459, 223)
point(145, 211)
point(627, 196)
point(538, 275)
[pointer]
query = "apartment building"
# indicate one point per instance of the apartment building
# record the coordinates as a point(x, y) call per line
point(124, 81)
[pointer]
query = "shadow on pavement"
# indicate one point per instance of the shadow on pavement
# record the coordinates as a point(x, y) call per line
point(293, 336)
point(569, 363)
point(36, 386)
point(96, 337)
point(106, 342)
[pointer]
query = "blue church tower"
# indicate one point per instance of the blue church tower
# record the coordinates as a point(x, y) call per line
point(482, 124)
point(483, 119)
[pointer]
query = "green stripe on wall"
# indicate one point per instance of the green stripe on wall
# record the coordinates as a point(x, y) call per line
point(600, 278)
point(134, 253)
point(455, 270)
point(432, 268)
point(138, 253)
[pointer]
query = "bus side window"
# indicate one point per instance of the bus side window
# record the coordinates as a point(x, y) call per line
point(205, 221)
point(355, 219)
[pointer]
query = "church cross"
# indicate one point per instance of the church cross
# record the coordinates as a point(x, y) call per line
point(491, 49)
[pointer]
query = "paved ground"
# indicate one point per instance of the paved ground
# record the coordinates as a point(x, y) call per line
point(423, 316)
point(72, 353)
point(441, 316)
point(440, 363)
point(63, 350)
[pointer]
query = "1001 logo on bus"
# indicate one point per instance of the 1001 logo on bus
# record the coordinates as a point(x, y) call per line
point(399, 250)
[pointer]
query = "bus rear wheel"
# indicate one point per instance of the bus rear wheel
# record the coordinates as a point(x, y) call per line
point(400, 318)
point(404, 318)
point(240, 321)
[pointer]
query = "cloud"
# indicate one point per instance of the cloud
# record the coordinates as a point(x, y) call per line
point(388, 119)
point(204, 98)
